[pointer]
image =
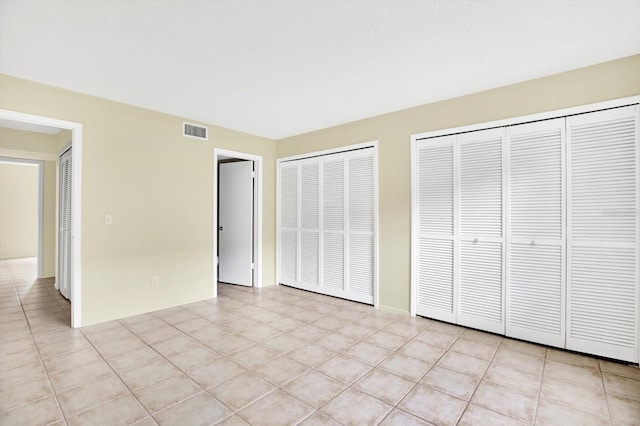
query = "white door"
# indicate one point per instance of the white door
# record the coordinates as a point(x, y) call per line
point(602, 277)
point(65, 226)
point(481, 241)
point(235, 223)
point(536, 289)
point(435, 297)
point(327, 220)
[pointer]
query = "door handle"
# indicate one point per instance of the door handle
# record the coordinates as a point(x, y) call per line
point(220, 228)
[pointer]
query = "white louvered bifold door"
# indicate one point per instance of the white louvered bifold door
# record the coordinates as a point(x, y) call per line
point(65, 259)
point(536, 244)
point(360, 225)
point(289, 223)
point(309, 254)
point(603, 233)
point(435, 229)
point(327, 211)
point(481, 240)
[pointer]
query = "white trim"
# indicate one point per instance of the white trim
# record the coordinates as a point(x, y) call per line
point(413, 240)
point(40, 165)
point(376, 271)
point(616, 103)
point(76, 129)
point(27, 155)
point(372, 144)
point(257, 214)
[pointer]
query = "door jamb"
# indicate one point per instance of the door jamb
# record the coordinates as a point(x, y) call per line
point(257, 214)
point(76, 179)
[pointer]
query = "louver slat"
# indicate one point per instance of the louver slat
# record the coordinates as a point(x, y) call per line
point(603, 256)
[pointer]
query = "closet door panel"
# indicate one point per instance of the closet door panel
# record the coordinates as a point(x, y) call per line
point(481, 286)
point(536, 246)
point(310, 223)
point(603, 233)
point(361, 268)
point(289, 224)
point(435, 296)
point(481, 254)
point(333, 225)
point(288, 257)
point(536, 308)
point(361, 209)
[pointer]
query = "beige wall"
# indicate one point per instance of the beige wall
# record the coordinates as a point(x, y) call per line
point(18, 210)
point(602, 82)
point(158, 185)
point(39, 146)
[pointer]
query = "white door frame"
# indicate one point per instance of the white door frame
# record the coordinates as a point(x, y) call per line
point(40, 165)
point(257, 214)
point(76, 179)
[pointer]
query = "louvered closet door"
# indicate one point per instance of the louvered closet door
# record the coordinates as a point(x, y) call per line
point(481, 241)
point(65, 258)
point(435, 222)
point(536, 246)
point(310, 224)
point(361, 220)
point(289, 224)
point(603, 233)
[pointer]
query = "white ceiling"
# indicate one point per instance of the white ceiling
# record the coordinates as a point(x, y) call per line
point(281, 68)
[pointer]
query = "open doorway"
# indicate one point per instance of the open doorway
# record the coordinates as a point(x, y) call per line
point(237, 222)
point(21, 210)
point(74, 131)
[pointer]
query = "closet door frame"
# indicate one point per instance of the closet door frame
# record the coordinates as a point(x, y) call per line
point(343, 149)
point(418, 138)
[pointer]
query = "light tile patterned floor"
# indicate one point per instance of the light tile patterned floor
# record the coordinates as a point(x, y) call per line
point(282, 356)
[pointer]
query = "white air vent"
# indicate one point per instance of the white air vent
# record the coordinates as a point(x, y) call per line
point(194, 131)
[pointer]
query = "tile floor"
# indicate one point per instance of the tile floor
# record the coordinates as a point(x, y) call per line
point(282, 356)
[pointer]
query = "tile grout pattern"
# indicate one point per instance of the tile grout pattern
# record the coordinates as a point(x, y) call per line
point(284, 356)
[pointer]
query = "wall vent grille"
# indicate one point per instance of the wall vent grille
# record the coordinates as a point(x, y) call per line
point(194, 131)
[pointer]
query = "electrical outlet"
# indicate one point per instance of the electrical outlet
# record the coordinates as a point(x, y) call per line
point(155, 281)
point(108, 219)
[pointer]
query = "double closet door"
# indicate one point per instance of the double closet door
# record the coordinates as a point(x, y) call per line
point(327, 222)
point(530, 230)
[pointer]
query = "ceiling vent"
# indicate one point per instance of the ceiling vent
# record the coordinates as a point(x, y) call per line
point(194, 131)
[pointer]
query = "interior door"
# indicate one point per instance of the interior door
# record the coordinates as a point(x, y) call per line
point(235, 223)
point(436, 243)
point(481, 249)
point(536, 255)
point(65, 225)
point(602, 278)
